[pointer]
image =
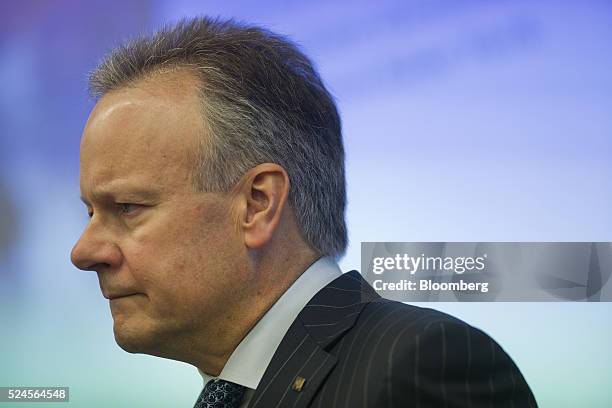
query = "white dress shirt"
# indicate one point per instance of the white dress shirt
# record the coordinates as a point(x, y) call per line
point(247, 364)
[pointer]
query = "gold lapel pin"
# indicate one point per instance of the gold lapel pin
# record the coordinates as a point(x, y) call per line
point(298, 384)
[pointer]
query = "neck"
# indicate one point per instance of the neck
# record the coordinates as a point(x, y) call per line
point(270, 278)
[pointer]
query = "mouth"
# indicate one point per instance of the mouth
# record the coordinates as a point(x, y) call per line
point(119, 296)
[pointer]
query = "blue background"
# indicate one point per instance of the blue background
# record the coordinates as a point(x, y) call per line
point(463, 121)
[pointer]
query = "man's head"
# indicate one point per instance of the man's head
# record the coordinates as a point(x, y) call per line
point(212, 162)
point(262, 101)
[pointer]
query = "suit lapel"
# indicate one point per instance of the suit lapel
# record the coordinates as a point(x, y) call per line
point(302, 353)
point(297, 355)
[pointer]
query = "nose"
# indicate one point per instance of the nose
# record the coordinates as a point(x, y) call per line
point(95, 250)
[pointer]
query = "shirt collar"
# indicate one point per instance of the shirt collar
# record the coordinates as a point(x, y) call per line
point(247, 364)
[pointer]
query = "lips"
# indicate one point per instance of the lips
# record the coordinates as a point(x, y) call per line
point(113, 296)
point(121, 297)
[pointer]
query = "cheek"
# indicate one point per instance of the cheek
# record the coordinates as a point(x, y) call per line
point(185, 253)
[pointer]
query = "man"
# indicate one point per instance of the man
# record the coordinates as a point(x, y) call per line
point(212, 168)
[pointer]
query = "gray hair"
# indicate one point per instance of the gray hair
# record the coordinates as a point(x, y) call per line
point(263, 102)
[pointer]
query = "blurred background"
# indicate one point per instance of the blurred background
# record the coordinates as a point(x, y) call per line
point(463, 121)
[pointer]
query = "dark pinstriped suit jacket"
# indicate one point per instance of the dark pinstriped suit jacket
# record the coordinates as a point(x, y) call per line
point(356, 349)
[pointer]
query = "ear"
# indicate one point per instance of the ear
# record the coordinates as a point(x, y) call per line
point(265, 189)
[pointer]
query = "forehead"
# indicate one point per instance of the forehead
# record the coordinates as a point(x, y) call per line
point(148, 133)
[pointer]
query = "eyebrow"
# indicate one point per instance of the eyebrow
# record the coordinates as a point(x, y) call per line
point(129, 191)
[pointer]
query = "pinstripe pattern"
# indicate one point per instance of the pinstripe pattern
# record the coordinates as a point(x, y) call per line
point(356, 349)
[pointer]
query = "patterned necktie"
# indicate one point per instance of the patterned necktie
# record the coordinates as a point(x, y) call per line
point(220, 394)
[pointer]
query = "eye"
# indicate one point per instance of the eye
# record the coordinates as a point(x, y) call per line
point(127, 208)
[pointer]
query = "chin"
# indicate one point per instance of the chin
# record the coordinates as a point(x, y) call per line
point(132, 338)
